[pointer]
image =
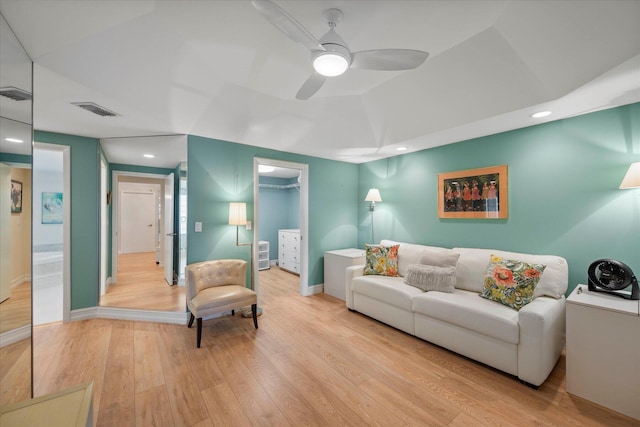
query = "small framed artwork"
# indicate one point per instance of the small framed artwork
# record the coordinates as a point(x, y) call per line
point(474, 193)
point(16, 196)
point(51, 208)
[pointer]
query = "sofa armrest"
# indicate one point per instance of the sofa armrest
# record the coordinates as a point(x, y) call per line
point(542, 329)
point(351, 272)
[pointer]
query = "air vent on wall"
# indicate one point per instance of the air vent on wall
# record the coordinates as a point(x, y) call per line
point(95, 109)
point(15, 93)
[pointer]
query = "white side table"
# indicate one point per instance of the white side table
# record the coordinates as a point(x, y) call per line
point(335, 266)
point(603, 350)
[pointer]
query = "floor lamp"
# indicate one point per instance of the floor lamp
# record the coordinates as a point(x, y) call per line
point(373, 196)
point(238, 217)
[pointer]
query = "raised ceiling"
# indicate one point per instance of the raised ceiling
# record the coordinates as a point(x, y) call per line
point(218, 69)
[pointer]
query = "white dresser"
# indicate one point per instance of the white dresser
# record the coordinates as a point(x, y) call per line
point(263, 255)
point(603, 350)
point(289, 250)
point(335, 266)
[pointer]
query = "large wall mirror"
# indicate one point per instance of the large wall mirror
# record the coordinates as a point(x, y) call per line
point(16, 139)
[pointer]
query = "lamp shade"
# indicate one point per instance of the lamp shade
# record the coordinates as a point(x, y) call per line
point(632, 178)
point(237, 213)
point(373, 196)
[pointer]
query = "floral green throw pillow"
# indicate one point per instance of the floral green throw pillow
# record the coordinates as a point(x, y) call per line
point(381, 260)
point(511, 282)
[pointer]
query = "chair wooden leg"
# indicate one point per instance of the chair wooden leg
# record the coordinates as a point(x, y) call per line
point(190, 320)
point(199, 330)
point(254, 311)
point(233, 312)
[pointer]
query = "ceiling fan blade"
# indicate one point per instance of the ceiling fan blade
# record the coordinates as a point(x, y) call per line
point(286, 23)
point(311, 86)
point(388, 59)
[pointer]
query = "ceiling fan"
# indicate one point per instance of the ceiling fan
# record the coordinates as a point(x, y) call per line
point(331, 55)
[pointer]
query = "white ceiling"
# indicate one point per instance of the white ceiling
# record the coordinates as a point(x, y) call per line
point(218, 69)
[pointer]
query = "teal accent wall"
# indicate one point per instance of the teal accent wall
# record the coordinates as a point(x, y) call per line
point(221, 172)
point(16, 158)
point(279, 208)
point(85, 219)
point(563, 192)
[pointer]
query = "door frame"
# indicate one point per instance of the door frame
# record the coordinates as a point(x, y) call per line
point(66, 222)
point(115, 212)
point(304, 218)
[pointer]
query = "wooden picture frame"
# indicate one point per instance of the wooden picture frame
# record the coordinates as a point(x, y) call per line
point(474, 193)
point(16, 196)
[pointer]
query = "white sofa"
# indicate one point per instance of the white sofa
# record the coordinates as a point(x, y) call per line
point(525, 343)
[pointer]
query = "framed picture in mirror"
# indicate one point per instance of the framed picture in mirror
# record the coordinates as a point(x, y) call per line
point(16, 196)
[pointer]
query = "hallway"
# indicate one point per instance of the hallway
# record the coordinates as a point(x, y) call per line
point(141, 285)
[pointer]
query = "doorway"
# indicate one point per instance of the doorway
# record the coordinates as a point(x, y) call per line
point(51, 269)
point(142, 244)
point(294, 178)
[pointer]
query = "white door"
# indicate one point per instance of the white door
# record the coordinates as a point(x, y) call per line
point(138, 214)
point(168, 229)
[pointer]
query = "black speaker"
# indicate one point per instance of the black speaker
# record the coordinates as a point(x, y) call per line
point(611, 276)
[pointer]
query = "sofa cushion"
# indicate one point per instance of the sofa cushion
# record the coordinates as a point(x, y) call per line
point(511, 282)
point(473, 263)
point(431, 278)
point(381, 260)
point(465, 309)
point(391, 290)
point(440, 257)
point(410, 253)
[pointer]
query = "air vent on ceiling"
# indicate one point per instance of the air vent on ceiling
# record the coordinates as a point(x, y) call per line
point(95, 109)
point(15, 93)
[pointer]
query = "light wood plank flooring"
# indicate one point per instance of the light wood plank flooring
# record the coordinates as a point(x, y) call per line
point(141, 285)
point(312, 362)
point(16, 310)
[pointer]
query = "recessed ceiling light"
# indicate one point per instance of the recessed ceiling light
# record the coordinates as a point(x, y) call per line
point(16, 140)
point(540, 114)
point(149, 156)
point(402, 148)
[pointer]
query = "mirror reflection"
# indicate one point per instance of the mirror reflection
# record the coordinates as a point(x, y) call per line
point(15, 218)
point(144, 229)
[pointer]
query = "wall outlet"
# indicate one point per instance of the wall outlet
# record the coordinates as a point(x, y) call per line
point(198, 227)
point(248, 225)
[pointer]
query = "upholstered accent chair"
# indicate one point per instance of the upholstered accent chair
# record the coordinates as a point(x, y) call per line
point(218, 286)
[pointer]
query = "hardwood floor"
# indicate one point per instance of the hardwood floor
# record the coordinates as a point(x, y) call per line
point(141, 285)
point(16, 310)
point(312, 362)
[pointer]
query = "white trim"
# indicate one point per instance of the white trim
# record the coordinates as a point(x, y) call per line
point(15, 335)
point(316, 289)
point(20, 280)
point(174, 317)
point(115, 212)
point(305, 290)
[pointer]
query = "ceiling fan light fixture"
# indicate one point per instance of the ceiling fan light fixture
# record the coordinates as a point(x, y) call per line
point(332, 62)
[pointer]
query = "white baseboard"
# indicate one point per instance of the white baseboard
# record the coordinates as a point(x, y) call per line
point(15, 335)
point(20, 280)
point(315, 289)
point(173, 317)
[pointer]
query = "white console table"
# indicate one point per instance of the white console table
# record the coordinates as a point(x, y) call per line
point(335, 266)
point(603, 350)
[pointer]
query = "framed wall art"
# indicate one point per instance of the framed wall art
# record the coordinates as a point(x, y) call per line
point(474, 193)
point(51, 208)
point(16, 196)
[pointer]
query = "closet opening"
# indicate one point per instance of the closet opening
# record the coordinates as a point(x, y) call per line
point(281, 219)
